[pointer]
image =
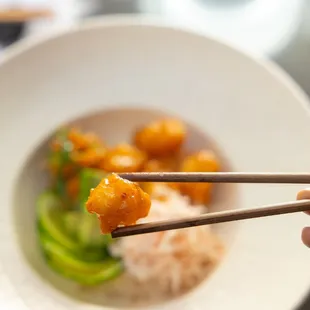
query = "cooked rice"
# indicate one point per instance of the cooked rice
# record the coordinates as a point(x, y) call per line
point(174, 261)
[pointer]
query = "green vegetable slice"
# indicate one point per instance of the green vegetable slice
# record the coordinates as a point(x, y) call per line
point(86, 255)
point(92, 255)
point(85, 229)
point(68, 265)
point(72, 220)
point(89, 234)
point(50, 216)
point(110, 272)
point(89, 178)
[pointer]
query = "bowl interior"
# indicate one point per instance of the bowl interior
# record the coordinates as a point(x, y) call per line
point(114, 126)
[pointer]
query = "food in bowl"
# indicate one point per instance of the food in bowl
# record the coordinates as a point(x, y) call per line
point(118, 202)
point(81, 169)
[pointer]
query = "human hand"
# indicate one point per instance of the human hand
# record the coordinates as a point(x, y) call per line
point(305, 235)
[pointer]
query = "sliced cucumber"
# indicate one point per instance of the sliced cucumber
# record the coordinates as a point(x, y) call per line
point(89, 234)
point(84, 228)
point(72, 221)
point(89, 178)
point(86, 255)
point(109, 273)
point(92, 255)
point(58, 252)
point(89, 273)
point(50, 216)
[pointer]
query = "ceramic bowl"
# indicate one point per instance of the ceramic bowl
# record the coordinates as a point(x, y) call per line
point(112, 75)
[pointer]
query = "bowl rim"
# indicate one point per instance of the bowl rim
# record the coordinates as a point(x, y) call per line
point(27, 43)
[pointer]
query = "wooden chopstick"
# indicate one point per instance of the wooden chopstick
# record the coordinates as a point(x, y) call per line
point(23, 15)
point(219, 177)
point(214, 218)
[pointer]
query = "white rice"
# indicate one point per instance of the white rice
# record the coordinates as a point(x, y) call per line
point(173, 261)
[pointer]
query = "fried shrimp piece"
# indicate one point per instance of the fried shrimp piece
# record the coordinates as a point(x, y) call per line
point(165, 164)
point(90, 157)
point(124, 158)
point(161, 138)
point(118, 202)
point(87, 149)
point(203, 161)
point(82, 141)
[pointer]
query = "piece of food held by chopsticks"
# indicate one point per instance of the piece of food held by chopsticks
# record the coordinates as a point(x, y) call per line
point(115, 208)
point(118, 202)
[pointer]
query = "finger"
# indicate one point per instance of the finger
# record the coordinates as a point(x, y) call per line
point(304, 194)
point(305, 236)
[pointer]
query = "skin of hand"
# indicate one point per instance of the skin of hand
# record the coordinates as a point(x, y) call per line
point(305, 235)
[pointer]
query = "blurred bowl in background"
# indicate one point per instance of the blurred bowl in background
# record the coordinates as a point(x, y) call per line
point(258, 26)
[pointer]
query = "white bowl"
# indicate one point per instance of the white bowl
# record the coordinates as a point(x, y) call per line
point(256, 115)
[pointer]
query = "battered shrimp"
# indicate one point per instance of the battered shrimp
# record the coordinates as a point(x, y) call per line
point(165, 164)
point(118, 202)
point(85, 149)
point(82, 141)
point(90, 157)
point(124, 158)
point(203, 161)
point(161, 138)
